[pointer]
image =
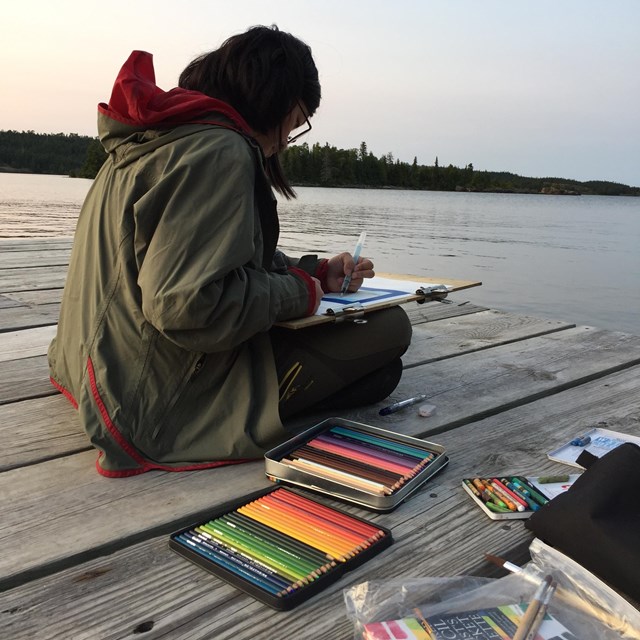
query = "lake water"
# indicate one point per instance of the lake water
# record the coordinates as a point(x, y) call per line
point(560, 257)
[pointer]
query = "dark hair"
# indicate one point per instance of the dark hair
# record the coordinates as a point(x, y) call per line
point(262, 74)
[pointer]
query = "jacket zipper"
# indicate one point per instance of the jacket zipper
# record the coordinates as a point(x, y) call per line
point(188, 380)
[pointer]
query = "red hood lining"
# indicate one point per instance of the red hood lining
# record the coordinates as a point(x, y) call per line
point(136, 100)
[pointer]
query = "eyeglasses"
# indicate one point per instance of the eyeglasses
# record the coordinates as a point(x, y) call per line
point(307, 125)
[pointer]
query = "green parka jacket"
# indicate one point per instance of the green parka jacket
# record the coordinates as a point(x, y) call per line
point(162, 342)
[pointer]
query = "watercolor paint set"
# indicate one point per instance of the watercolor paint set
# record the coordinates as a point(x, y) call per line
point(279, 545)
point(515, 497)
point(358, 463)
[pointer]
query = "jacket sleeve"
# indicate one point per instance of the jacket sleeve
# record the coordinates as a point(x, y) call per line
point(200, 270)
point(310, 264)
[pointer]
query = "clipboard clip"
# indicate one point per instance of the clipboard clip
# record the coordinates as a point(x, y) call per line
point(437, 292)
point(353, 312)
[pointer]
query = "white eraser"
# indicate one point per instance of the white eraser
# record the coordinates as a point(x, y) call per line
point(426, 410)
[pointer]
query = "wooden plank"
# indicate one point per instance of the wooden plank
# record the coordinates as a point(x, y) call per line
point(440, 343)
point(32, 258)
point(468, 333)
point(101, 513)
point(437, 532)
point(31, 278)
point(39, 297)
point(475, 385)
point(18, 318)
point(63, 484)
point(31, 380)
point(467, 387)
point(6, 302)
point(432, 311)
point(39, 429)
point(25, 344)
point(33, 244)
point(25, 378)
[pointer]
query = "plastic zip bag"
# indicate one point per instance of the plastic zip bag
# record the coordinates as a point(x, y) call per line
point(587, 607)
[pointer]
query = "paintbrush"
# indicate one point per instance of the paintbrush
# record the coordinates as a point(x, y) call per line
point(573, 599)
point(509, 566)
point(542, 612)
point(532, 610)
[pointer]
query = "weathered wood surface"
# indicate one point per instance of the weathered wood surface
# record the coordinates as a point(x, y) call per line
point(148, 581)
point(91, 558)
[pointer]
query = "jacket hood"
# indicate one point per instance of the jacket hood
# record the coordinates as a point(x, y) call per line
point(138, 104)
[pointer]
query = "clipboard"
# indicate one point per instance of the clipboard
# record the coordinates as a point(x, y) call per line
point(380, 292)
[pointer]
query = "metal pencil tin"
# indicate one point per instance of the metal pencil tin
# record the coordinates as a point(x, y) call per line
point(277, 470)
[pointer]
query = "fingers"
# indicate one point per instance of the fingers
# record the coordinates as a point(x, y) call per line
point(364, 269)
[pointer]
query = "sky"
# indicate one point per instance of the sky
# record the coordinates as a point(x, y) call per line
point(540, 88)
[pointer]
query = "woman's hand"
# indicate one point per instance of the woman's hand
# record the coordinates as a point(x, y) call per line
point(342, 265)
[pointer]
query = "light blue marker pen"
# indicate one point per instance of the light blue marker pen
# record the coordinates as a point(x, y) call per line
point(356, 255)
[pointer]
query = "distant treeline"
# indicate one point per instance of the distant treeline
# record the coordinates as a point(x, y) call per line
point(54, 153)
point(304, 165)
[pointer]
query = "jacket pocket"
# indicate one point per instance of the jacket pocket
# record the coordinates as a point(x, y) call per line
point(186, 381)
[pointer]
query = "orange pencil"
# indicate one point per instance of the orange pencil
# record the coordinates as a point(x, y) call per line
point(315, 507)
point(322, 522)
point(338, 552)
point(305, 523)
point(295, 532)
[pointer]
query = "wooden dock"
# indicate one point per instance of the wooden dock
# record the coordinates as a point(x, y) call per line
point(87, 557)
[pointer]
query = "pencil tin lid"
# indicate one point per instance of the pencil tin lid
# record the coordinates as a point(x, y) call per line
point(362, 464)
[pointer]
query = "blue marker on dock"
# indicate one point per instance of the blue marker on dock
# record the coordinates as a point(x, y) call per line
point(396, 406)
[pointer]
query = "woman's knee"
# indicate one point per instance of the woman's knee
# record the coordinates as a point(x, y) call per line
point(392, 328)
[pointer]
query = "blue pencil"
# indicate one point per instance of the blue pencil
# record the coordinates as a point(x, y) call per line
point(234, 567)
point(251, 565)
point(389, 444)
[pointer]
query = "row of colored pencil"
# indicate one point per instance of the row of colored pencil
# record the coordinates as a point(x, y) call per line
point(360, 460)
point(281, 541)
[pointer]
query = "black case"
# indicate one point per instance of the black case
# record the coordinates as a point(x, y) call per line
point(287, 602)
point(597, 521)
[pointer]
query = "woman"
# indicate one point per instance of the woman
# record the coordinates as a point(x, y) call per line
point(166, 342)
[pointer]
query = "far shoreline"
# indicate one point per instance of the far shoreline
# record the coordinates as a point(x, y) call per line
point(554, 191)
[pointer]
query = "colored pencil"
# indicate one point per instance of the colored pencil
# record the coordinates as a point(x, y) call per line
point(323, 523)
point(260, 552)
point(339, 552)
point(279, 543)
point(331, 473)
point(321, 534)
point(259, 562)
point(297, 560)
point(287, 543)
point(398, 446)
point(354, 524)
point(233, 557)
point(376, 452)
point(383, 464)
point(391, 477)
point(383, 445)
point(252, 578)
